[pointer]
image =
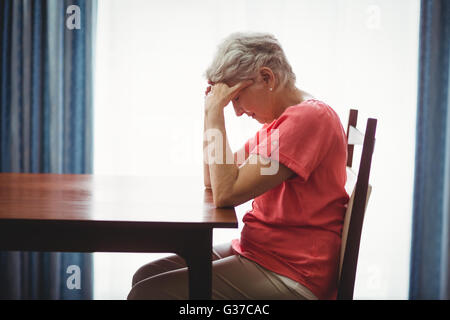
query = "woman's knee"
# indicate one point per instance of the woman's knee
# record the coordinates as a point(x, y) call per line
point(158, 267)
point(171, 285)
point(139, 275)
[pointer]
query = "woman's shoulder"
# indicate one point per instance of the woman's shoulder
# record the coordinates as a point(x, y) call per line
point(313, 113)
point(310, 104)
point(311, 108)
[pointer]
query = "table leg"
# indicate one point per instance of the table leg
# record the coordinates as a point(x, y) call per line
point(199, 262)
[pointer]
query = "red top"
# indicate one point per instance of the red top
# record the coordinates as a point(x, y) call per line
point(295, 228)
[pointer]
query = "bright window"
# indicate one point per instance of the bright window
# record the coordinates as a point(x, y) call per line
point(360, 54)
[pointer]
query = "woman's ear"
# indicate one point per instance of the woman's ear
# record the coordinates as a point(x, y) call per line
point(267, 76)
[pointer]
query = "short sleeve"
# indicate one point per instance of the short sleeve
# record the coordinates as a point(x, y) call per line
point(299, 139)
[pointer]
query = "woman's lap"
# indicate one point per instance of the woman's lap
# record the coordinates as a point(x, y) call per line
point(234, 277)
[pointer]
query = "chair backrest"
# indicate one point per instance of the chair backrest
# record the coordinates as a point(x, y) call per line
point(359, 189)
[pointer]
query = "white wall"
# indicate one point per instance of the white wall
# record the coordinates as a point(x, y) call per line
point(361, 54)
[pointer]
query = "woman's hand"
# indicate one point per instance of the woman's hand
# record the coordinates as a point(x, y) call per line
point(220, 94)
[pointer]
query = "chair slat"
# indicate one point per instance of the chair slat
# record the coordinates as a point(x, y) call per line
point(347, 218)
point(352, 121)
point(354, 217)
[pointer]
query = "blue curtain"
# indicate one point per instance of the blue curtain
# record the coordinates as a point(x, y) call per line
point(429, 274)
point(46, 80)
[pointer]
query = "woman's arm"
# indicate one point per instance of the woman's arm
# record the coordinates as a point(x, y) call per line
point(233, 185)
point(206, 178)
point(222, 171)
point(239, 158)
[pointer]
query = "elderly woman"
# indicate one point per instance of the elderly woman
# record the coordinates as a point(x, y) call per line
point(293, 168)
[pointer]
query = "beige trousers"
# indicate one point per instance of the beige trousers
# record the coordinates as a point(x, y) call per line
point(233, 277)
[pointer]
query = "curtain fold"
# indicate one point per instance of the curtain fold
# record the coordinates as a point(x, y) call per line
point(430, 247)
point(46, 80)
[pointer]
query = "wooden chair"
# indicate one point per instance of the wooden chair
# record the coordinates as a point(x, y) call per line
point(359, 188)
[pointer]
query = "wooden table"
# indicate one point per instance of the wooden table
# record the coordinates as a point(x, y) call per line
point(91, 213)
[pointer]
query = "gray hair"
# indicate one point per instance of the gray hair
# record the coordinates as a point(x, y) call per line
point(240, 56)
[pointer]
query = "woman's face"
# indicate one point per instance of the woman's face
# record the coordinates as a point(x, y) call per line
point(254, 101)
